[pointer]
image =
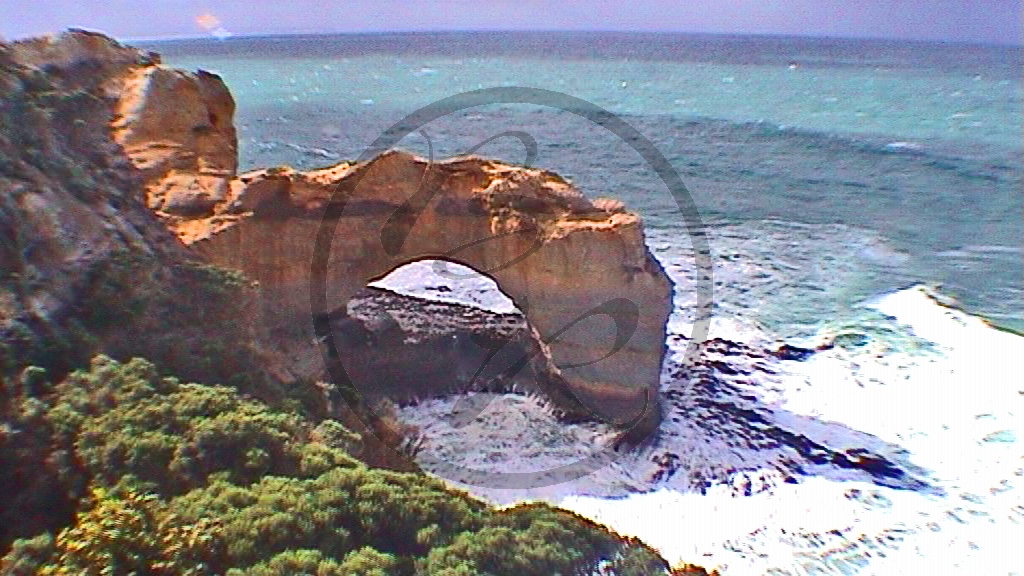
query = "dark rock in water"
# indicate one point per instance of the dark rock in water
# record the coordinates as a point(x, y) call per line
point(404, 349)
point(718, 428)
point(789, 352)
point(799, 353)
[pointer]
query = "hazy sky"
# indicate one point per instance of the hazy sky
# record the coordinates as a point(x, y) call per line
point(962, 20)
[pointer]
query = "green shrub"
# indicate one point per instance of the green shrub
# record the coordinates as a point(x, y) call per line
point(27, 556)
point(174, 478)
point(125, 420)
point(132, 534)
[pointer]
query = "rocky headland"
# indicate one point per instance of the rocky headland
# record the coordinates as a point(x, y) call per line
point(311, 400)
point(596, 300)
point(128, 232)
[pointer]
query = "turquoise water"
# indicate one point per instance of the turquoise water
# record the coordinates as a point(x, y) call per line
point(794, 150)
point(918, 105)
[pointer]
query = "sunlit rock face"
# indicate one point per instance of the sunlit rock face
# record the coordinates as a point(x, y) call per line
point(578, 269)
point(177, 128)
point(85, 266)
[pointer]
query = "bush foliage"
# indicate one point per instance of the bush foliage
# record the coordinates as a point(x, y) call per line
point(164, 477)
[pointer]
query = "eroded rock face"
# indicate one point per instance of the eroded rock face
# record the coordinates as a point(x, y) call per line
point(578, 269)
point(177, 128)
point(85, 266)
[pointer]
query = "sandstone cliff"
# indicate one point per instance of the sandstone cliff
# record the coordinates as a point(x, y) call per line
point(85, 265)
point(579, 269)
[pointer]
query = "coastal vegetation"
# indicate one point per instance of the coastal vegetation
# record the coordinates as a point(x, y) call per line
point(214, 454)
point(120, 470)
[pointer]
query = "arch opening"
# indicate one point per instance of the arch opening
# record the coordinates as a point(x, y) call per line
point(431, 328)
point(447, 281)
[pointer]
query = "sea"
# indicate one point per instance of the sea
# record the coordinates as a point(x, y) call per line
point(861, 199)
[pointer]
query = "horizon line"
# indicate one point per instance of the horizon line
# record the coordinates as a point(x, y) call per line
point(383, 32)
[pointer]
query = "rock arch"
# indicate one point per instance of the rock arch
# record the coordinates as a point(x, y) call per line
point(558, 255)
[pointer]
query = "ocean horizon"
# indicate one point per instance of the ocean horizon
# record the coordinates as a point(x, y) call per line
point(894, 140)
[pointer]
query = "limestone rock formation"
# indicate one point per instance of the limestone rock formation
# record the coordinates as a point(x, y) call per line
point(176, 127)
point(85, 266)
point(578, 269)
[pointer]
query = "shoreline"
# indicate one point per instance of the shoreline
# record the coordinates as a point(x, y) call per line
point(832, 523)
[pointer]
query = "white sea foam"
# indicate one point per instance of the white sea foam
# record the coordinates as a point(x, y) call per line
point(911, 377)
point(957, 408)
point(926, 378)
point(904, 146)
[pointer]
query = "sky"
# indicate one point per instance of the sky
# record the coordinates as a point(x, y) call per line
point(988, 21)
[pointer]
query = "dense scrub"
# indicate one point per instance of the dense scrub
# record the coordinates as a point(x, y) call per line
point(155, 476)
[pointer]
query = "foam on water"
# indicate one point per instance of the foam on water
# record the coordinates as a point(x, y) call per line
point(909, 380)
point(957, 409)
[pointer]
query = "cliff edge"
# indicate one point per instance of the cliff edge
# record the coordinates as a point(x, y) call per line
point(85, 265)
point(577, 268)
